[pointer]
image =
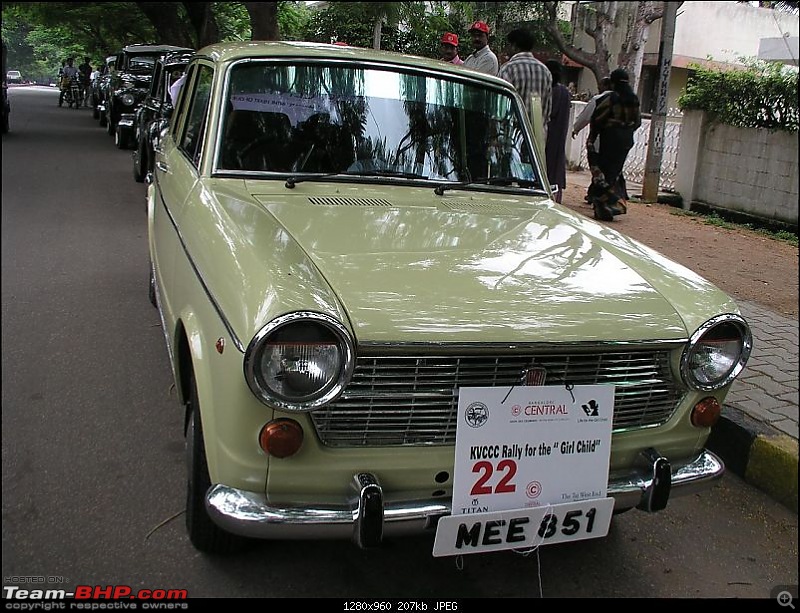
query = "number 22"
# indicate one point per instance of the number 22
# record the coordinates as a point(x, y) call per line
point(503, 487)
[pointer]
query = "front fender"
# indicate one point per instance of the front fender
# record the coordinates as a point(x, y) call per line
point(231, 415)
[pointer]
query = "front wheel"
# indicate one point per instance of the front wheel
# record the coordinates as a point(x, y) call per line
point(152, 289)
point(204, 534)
point(120, 138)
point(140, 162)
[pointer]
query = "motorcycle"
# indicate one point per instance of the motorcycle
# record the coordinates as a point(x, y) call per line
point(71, 89)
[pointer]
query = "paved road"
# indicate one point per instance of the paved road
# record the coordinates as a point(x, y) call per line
point(92, 458)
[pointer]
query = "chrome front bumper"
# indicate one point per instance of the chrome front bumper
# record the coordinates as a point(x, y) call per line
point(369, 515)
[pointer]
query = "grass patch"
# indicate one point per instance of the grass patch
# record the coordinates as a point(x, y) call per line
point(713, 219)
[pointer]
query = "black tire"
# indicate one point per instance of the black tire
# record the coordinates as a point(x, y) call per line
point(204, 534)
point(140, 163)
point(103, 119)
point(111, 127)
point(120, 139)
point(152, 289)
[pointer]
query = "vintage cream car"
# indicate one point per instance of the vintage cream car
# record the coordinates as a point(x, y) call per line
point(351, 251)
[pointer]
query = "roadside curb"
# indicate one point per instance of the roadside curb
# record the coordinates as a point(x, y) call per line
point(761, 455)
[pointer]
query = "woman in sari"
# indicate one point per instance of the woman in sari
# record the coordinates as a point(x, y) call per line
point(614, 122)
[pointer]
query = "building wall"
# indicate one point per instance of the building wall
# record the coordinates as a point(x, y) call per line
point(724, 30)
point(745, 170)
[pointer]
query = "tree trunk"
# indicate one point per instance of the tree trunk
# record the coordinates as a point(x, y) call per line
point(169, 26)
point(203, 21)
point(598, 24)
point(631, 56)
point(598, 20)
point(377, 31)
point(263, 20)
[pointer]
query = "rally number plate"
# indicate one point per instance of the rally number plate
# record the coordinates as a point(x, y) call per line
point(523, 528)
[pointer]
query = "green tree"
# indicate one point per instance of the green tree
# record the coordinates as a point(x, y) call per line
point(763, 95)
point(42, 34)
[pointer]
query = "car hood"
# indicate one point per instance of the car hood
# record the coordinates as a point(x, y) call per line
point(410, 266)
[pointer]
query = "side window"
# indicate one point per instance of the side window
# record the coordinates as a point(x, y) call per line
point(198, 101)
point(157, 82)
point(176, 122)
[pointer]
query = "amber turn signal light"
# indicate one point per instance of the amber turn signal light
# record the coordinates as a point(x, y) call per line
point(706, 413)
point(281, 438)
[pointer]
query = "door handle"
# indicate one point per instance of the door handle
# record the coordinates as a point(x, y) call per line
point(162, 166)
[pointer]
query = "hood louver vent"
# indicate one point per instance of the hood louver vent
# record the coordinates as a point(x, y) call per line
point(479, 207)
point(350, 202)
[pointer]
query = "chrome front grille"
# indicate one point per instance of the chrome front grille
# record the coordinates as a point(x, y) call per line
point(396, 399)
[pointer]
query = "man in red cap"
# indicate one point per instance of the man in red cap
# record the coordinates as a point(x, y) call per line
point(483, 59)
point(449, 48)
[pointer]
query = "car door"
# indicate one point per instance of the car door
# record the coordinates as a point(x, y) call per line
point(177, 174)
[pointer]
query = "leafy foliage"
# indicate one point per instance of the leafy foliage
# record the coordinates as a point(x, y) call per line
point(763, 95)
point(41, 35)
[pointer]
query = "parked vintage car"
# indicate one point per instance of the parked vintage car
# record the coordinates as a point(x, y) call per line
point(99, 89)
point(152, 116)
point(128, 86)
point(380, 322)
point(5, 106)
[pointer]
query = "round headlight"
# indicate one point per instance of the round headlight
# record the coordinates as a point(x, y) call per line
point(299, 361)
point(717, 352)
point(127, 99)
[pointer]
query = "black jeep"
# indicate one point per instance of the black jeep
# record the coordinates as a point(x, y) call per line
point(129, 84)
point(153, 114)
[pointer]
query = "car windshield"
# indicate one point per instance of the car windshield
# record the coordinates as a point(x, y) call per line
point(333, 119)
point(141, 64)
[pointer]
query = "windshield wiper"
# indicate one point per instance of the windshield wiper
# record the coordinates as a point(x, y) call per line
point(502, 181)
point(292, 181)
point(389, 173)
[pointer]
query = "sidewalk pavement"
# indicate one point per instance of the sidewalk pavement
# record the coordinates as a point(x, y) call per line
point(757, 435)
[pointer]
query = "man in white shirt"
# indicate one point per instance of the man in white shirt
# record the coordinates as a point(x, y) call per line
point(175, 89)
point(582, 120)
point(483, 59)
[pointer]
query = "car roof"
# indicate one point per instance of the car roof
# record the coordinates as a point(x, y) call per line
point(230, 52)
point(151, 49)
point(181, 57)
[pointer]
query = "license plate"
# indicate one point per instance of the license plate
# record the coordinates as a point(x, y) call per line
point(523, 528)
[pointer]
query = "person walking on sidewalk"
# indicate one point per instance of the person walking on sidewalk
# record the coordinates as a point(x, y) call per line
point(582, 120)
point(614, 121)
point(527, 74)
point(557, 129)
